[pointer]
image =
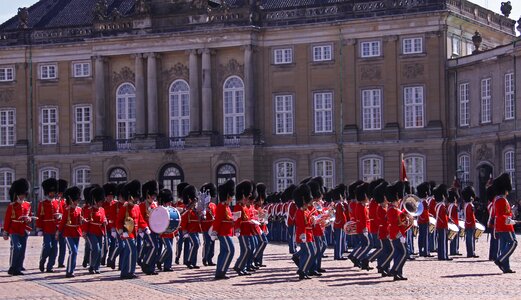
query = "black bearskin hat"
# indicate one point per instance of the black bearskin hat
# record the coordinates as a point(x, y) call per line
point(440, 192)
point(180, 188)
point(132, 189)
point(287, 194)
point(150, 188)
point(210, 189)
point(379, 192)
point(261, 191)
point(302, 195)
point(314, 187)
point(391, 193)
point(97, 194)
point(468, 193)
point(226, 190)
point(165, 196)
point(423, 189)
point(189, 194)
point(352, 187)
point(502, 184)
point(361, 191)
point(62, 185)
point(72, 194)
point(110, 189)
point(243, 189)
point(49, 185)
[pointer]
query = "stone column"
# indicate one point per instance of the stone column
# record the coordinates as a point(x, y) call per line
point(99, 81)
point(248, 88)
point(194, 93)
point(152, 93)
point(207, 120)
point(140, 96)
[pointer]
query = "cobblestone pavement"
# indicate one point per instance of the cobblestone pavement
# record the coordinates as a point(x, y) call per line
point(462, 278)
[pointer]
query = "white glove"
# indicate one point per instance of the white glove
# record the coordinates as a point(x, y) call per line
point(303, 237)
point(261, 232)
point(186, 235)
point(366, 234)
point(40, 233)
point(147, 231)
point(113, 234)
point(402, 239)
point(510, 221)
point(237, 232)
point(125, 235)
point(213, 237)
point(141, 234)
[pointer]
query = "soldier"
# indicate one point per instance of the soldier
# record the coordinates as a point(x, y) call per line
point(223, 227)
point(423, 191)
point(469, 195)
point(113, 217)
point(86, 217)
point(191, 227)
point(243, 226)
point(95, 229)
point(387, 249)
point(48, 214)
point(453, 217)
point(494, 247)
point(108, 240)
point(504, 224)
point(150, 190)
point(397, 229)
point(70, 227)
point(208, 190)
point(262, 218)
point(165, 199)
point(62, 186)
point(340, 220)
point(442, 220)
point(304, 230)
point(359, 255)
point(180, 207)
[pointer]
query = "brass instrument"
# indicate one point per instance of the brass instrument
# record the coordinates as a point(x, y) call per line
point(414, 207)
point(129, 222)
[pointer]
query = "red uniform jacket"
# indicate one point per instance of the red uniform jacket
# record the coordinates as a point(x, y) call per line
point(432, 207)
point(317, 229)
point(190, 222)
point(133, 212)
point(396, 228)
point(243, 223)
point(373, 207)
point(254, 215)
point(362, 218)
point(303, 225)
point(263, 226)
point(210, 216)
point(107, 207)
point(16, 218)
point(442, 220)
point(345, 204)
point(223, 223)
point(46, 213)
point(381, 220)
point(340, 216)
point(491, 215)
point(353, 204)
point(503, 212)
point(453, 213)
point(424, 217)
point(96, 221)
point(470, 218)
point(292, 211)
point(114, 213)
point(145, 212)
point(70, 225)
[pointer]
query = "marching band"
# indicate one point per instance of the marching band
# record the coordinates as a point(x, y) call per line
point(140, 224)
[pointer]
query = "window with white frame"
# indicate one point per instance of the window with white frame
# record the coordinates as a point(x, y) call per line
point(284, 114)
point(6, 74)
point(49, 71)
point(7, 127)
point(371, 168)
point(323, 107)
point(412, 45)
point(413, 103)
point(233, 106)
point(49, 125)
point(464, 163)
point(510, 166)
point(125, 112)
point(414, 166)
point(81, 177)
point(47, 173)
point(486, 112)
point(171, 175)
point(509, 96)
point(456, 46)
point(370, 49)
point(117, 175)
point(226, 172)
point(372, 109)
point(6, 179)
point(470, 47)
point(325, 169)
point(82, 124)
point(464, 102)
point(284, 174)
point(179, 109)
point(81, 69)
point(322, 53)
point(283, 56)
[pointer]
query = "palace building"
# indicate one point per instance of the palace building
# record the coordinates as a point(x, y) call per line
point(273, 90)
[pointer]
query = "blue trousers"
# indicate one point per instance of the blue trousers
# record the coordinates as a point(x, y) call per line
point(168, 252)
point(378, 248)
point(494, 246)
point(259, 253)
point(208, 248)
point(86, 253)
point(179, 248)
point(227, 250)
point(72, 244)
point(423, 239)
point(107, 240)
point(61, 252)
point(320, 246)
point(454, 245)
point(17, 252)
point(128, 258)
point(49, 250)
point(245, 252)
point(399, 257)
point(23, 241)
point(291, 240)
point(150, 252)
point(95, 242)
point(410, 242)
point(470, 241)
point(507, 245)
point(364, 246)
point(116, 250)
point(433, 241)
point(442, 244)
point(191, 248)
point(386, 256)
point(339, 242)
point(306, 255)
point(254, 244)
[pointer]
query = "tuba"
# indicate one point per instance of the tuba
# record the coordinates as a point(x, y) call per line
point(414, 207)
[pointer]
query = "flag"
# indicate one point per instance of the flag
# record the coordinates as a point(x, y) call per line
point(403, 172)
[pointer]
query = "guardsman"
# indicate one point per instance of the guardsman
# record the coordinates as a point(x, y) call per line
point(242, 226)
point(494, 247)
point(453, 217)
point(208, 190)
point(254, 228)
point(181, 208)
point(95, 229)
point(108, 240)
point(115, 252)
point(262, 218)
point(191, 227)
point(469, 195)
point(504, 224)
point(340, 220)
point(387, 249)
point(16, 221)
point(223, 228)
point(397, 231)
point(165, 199)
point(150, 243)
point(433, 241)
point(442, 220)
point(372, 208)
point(62, 186)
point(292, 210)
point(48, 214)
point(86, 218)
point(423, 192)
point(359, 254)
point(304, 230)
point(70, 227)
point(377, 197)
point(352, 240)
point(316, 210)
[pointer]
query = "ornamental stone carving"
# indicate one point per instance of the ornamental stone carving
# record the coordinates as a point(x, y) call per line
point(170, 156)
point(231, 68)
point(226, 156)
point(116, 161)
point(484, 153)
point(411, 71)
point(177, 71)
point(371, 72)
point(125, 75)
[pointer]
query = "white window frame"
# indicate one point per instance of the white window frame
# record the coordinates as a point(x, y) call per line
point(82, 124)
point(509, 159)
point(117, 172)
point(7, 176)
point(456, 46)
point(464, 163)
point(486, 100)
point(284, 120)
point(81, 177)
point(179, 108)
point(49, 129)
point(470, 47)
point(323, 111)
point(370, 49)
point(46, 173)
point(371, 167)
point(81, 69)
point(464, 105)
point(233, 106)
point(372, 109)
point(284, 174)
point(415, 168)
point(7, 74)
point(325, 168)
point(322, 53)
point(7, 127)
point(126, 119)
point(413, 102)
point(282, 56)
point(412, 45)
point(48, 71)
point(510, 101)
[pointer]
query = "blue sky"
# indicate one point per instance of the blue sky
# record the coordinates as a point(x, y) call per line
point(9, 8)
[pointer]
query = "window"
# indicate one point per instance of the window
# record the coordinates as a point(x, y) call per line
point(414, 168)
point(82, 124)
point(6, 179)
point(412, 45)
point(322, 53)
point(233, 106)
point(226, 172)
point(49, 126)
point(179, 109)
point(464, 163)
point(6, 74)
point(464, 100)
point(370, 49)
point(283, 56)
point(510, 166)
point(323, 103)
point(284, 114)
point(81, 177)
point(49, 71)
point(171, 175)
point(81, 69)
point(47, 173)
point(413, 102)
point(371, 109)
point(509, 96)
point(371, 168)
point(456, 46)
point(117, 175)
point(485, 101)
point(126, 112)
point(7, 127)
point(325, 169)
point(284, 174)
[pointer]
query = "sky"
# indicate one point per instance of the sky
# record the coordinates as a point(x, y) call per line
point(9, 8)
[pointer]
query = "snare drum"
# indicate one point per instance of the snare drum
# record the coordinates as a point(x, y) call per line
point(164, 219)
point(461, 225)
point(432, 224)
point(480, 228)
point(453, 231)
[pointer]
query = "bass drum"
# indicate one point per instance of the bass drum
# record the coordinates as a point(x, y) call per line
point(164, 219)
point(432, 224)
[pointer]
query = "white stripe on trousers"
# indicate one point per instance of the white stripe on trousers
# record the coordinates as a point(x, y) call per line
point(91, 250)
point(402, 261)
point(191, 249)
point(242, 240)
point(152, 251)
point(228, 258)
point(309, 257)
point(509, 252)
point(69, 260)
point(359, 253)
point(129, 256)
point(390, 257)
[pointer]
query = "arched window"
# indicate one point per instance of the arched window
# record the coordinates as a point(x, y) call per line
point(324, 167)
point(233, 106)
point(125, 111)
point(179, 112)
point(46, 173)
point(284, 174)
point(6, 179)
point(81, 177)
point(117, 175)
point(171, 175)
point(464, 164)
point(371, 168)
point(226, 172)
point(510, 166)
point(414, 166)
